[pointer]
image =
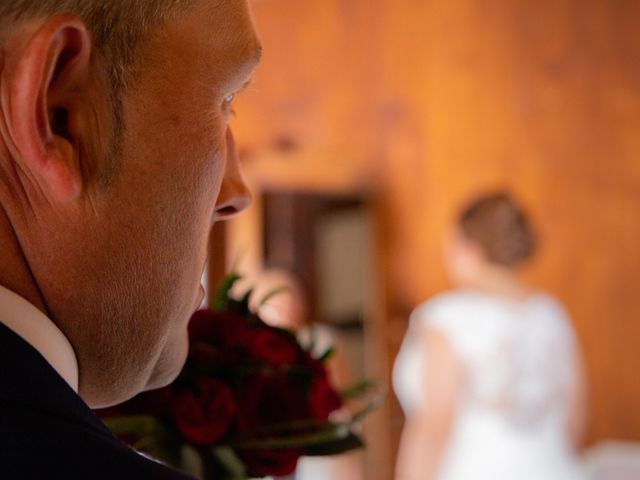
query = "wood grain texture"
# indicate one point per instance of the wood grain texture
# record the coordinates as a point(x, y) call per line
point(426, 103)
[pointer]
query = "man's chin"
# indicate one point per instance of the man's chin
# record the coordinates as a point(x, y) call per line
point(168, 367)
point(161, 381)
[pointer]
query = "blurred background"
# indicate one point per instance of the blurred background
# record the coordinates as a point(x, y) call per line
point(371, 123)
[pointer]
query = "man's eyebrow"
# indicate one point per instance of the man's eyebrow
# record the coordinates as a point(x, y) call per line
point(253, 60)
point(253, 51)
point(246, 84)
point(258, 54)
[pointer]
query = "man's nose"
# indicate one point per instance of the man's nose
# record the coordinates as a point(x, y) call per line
point(234, 195)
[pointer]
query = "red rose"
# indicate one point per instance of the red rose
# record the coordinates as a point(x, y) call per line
point(263, 462)
point(220, 329)
point(218, 338)
point(160, 402)
point(268, 399)
point(324, 399)
point(265, 400)
point(204, 417)
point(275, 347)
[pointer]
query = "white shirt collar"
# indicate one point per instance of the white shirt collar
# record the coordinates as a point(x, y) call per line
point(37, 329)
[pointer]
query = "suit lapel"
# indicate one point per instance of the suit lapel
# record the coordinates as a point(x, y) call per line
point(26, 378)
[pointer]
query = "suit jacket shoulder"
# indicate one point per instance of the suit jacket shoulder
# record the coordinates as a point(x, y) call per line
point(47, 431)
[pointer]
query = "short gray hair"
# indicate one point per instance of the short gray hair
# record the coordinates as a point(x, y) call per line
point(118, 29)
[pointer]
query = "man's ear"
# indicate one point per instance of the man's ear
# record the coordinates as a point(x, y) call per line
point(44, 77)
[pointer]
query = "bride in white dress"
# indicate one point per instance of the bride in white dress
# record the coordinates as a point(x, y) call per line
point(489, 374)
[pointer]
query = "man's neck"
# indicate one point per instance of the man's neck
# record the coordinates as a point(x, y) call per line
point(15, 273)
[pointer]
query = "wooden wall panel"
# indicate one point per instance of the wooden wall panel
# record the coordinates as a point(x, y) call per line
point(425, 103)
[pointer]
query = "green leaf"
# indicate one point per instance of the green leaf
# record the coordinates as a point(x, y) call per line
point(335, 447)
point(234, 467)
point(334, 432)
point(140, 425)
point(372, 405)
point(358, 389)
point(221, 299)
point(192, 461)
point(325, 432)
point(330, 352)
point(152, 437)
point(244, 303)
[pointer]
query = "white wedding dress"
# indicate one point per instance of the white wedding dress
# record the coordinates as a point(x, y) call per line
point(519, 359)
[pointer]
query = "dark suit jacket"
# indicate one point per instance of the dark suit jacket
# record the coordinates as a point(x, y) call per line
point(48, 432)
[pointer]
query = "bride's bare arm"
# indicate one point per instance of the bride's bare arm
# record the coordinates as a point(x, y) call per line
point(578, 403)
point(426, 431)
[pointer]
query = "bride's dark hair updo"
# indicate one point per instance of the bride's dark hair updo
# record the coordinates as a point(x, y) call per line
point(501, 228)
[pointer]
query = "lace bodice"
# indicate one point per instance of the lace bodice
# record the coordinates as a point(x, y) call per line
point(518, 357)
point(518, 360)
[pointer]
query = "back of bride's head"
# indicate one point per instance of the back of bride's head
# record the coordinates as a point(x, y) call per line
point(500, 227)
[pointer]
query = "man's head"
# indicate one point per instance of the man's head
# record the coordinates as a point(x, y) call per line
point(118, 29)
point(115, 157)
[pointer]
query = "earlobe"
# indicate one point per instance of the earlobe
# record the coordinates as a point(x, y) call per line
point(43, 82)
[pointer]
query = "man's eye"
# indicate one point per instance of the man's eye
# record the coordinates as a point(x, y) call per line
point(228, 105)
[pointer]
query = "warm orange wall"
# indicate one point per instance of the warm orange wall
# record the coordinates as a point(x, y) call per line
point(427, 102)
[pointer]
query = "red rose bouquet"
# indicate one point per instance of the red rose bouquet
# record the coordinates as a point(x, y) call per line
point(250, 401)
